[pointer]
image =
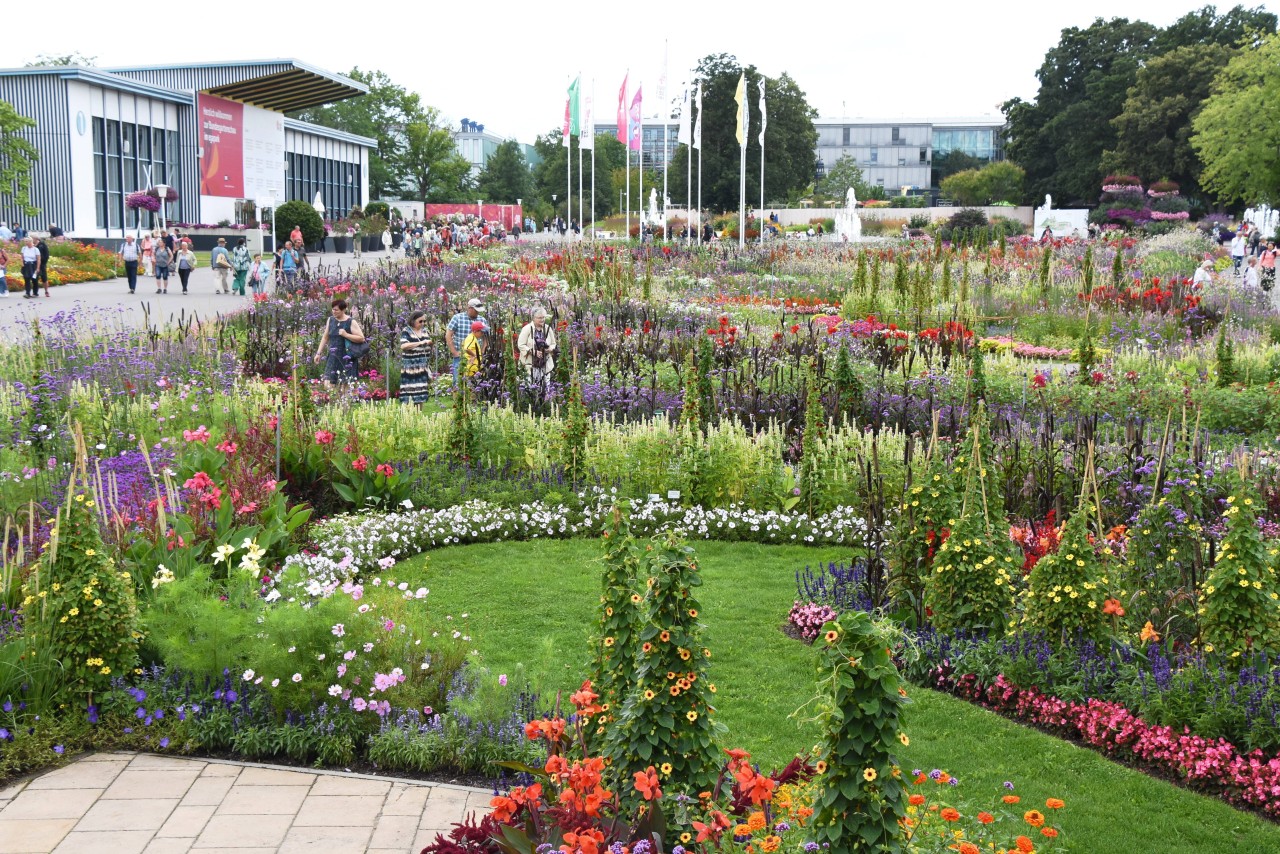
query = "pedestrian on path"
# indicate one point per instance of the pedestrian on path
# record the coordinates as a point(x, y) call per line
point(4, 275)
point(240, 262)
point(30, 269)
point(258, 273)
point(129, 254)
point(220, 261)
point(149, 253)
point(186, 263)
point(43, 248)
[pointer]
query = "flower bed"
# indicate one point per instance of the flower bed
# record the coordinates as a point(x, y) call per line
point(349, 545)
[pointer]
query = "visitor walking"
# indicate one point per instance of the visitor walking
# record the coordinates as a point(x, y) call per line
point(1267, 261)
point(341, 332)
point(220, 261)
point(1237, 250)
point(386, 241)
point(1203, 274)
point(537, 346)
point(4, 280)
point(240, 263)
point(1251, 278)
point(148, 253)
point(164, 260)
point(287, 264)
point(459, 329)
point(43, 249)
point(186, 260)
point(129, 254)
point(258, 273)
point(474, 347)
point(415, 348)
point(30, 269)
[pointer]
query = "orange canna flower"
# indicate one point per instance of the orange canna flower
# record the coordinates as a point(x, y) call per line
point(1149, 634)
point(1113, 607)
point(647, 783)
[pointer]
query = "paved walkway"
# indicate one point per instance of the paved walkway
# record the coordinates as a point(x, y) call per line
point(126, 803)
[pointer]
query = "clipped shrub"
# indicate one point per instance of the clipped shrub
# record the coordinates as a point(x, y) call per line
point(861, 796)
point(381, 209)
point(666, 720)
point(301, 214)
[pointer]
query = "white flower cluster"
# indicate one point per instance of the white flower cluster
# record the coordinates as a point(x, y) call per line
point(350, 545)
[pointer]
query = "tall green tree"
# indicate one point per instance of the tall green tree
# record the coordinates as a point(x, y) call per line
point(1235, 135)
point(842, 175)
point(790, 140)
point(549, 178)
point(1060, 137)
point(384, 114)
point(996, 182)
point(434, 171)
point(17, 156)
point(505, 176)
point(1205, 26)
point(1153, 132)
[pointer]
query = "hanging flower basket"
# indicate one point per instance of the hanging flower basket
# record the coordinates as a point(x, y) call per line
point(142, 200)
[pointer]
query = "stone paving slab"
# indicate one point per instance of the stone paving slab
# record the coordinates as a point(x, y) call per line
point(127, 803)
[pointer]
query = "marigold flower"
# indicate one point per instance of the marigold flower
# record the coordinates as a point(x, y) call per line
point(1035, 818)
point(770, 843)
point(1024, 845)
point(1049, 832)
point(986, 817)
point(1054, 804)
point(756, 821)
point(969, 848)
point(916, 800)
point(1011, 799)
point(949, 814)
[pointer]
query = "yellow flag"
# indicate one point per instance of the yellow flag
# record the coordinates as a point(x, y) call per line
point(741, 97)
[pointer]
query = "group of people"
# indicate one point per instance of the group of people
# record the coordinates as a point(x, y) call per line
point(467, 337)
point(160, 253)
point(35, 266)
point(1253, 257)
point(424, 238)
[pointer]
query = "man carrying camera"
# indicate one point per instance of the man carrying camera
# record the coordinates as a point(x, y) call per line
point(537, 345)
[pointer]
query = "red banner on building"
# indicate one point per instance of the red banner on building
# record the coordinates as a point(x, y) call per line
point(221, 146)
point(505, 214)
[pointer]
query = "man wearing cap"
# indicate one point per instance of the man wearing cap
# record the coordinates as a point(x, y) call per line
point(220, 261)
point(459, 328)
point(129, 254)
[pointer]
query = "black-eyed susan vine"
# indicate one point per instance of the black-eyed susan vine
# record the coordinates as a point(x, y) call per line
point(923, 525)
point(615, 642)
point(861, 796)
point(1068, 589)
point(1240, 599)
point(971, 584)
point(86, 612)
point(666, 719)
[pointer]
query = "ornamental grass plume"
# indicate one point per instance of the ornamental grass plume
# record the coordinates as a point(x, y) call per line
point(1239, 612)
point(615, 642)
point(84, 608)
point(666, 719)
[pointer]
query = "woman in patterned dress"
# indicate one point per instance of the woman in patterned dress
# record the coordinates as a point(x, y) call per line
point(415, 347)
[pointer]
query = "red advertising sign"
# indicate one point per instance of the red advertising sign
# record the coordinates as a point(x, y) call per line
point(508, 215)
point(221, 146)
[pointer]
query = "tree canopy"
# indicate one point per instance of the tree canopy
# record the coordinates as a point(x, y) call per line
point(993, 183)
point(842, 175)
point(433, 169)
point(790, 139)
point(550, 178)
point(1235, 134)
point(1087, 81)
point(505, 177)
point(17, 155)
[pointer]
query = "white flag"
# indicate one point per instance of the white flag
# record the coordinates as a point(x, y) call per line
point(763, 116)
point(697, 127)
point(588, 138)
point(682, 136)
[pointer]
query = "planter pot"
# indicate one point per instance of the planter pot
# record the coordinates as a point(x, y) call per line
point(341, 244)
point(370, 244)
point(396, 239)
point(327, 245)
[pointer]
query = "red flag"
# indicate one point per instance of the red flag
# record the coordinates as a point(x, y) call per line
point(564, 135)
point(634, 123)
point(622, 112)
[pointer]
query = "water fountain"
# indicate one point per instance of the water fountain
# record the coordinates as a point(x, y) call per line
point(848, 224)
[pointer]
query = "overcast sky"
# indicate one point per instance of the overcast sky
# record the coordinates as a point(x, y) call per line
point(507, 64)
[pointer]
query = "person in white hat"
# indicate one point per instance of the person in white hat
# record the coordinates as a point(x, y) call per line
point(459, 328)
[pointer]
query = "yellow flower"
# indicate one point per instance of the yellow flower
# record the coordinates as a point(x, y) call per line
point(74, 612)
point(97, 603)
point(105, 671)
point(902, 737)
point(869, 774)
point(90, 552)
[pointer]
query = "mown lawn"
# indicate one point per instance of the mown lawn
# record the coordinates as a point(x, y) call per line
point(535, 603)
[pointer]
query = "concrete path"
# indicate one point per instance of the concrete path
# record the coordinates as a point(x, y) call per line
point(138, 803)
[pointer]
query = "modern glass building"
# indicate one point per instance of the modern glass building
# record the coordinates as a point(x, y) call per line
point(214, 132)
point(898, 154)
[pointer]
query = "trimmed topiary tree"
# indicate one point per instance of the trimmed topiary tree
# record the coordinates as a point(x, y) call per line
point(298, 213)
point(666, 720)
point(861, 796)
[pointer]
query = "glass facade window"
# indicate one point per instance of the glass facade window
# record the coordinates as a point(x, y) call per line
point(845, 135)
point(337, 182)
point(982, 143)
point(128, 157)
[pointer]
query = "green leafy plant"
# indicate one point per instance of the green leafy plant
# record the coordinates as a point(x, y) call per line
point(615, 642)
point(573, 438)
point(1238, 599)
point(299, 214)
point(861, 796)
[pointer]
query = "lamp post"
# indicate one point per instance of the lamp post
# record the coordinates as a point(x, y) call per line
point(819, 172)
point(162, 190)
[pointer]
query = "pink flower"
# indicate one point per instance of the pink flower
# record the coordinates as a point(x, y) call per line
point(227, 447)
point(360, 463)
point(324, 437)
point(200, 434)
point(385, 470)
point(339, 630)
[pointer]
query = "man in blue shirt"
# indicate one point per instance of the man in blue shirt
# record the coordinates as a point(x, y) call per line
point(220, 261)
point(459, 328)
point(289, 265)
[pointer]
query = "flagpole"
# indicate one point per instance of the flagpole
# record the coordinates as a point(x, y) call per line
point(666, 124)
point(762, 126)
point(698, 137)
point(581, 225)
point(745, 119)
point(640, 149)
point(592, 131)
